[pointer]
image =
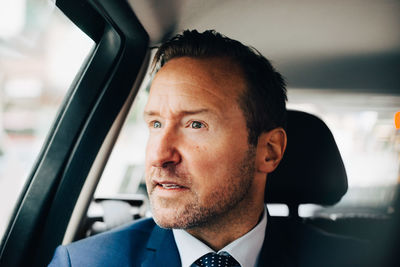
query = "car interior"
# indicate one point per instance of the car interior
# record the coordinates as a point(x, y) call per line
point(341, 63)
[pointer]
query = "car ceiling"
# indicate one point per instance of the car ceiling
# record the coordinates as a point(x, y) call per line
point(317, 44)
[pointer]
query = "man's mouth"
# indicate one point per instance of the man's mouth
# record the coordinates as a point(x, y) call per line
point(169, 185)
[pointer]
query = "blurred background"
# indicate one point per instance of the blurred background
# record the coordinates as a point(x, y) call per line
point(40, 53)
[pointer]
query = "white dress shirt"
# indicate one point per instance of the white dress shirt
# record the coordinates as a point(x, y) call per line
point(245, 249)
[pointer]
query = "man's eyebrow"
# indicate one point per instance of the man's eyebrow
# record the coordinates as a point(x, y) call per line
point(149, 113)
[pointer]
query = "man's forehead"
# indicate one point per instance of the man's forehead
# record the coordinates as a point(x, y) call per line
point(216, 76)
point(191, 84)
point(179, 101)
point(216, 70)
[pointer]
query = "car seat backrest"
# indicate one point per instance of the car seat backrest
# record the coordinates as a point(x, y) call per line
point(311, 170)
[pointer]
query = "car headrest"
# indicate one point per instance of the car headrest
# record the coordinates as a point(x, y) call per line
point(312, 169)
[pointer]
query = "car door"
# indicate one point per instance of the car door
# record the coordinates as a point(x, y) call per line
point(104, 84)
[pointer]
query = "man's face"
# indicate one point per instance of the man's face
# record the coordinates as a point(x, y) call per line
point(199, 165)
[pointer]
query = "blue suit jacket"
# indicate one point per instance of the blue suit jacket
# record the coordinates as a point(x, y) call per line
point(144, 244)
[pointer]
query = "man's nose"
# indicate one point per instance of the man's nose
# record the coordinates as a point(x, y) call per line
point(165, 149)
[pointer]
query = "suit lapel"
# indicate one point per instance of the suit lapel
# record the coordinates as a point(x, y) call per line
point(161, 249)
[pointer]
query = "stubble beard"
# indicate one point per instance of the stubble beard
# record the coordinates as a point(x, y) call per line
point(219, 202)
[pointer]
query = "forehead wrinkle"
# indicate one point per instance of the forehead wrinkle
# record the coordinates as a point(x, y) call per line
point(182, 113)
point(174, 101)
point(171, 111)
point(189, 86)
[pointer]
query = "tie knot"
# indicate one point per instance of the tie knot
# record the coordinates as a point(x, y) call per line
point(212, 259)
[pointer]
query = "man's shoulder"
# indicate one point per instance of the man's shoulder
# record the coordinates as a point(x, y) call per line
point(125, 243)
point(140, 229)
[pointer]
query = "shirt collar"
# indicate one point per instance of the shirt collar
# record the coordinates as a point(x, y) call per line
point(245, 249)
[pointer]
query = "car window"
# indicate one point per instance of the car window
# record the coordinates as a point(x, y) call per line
point(124, 172)
point(40, 53)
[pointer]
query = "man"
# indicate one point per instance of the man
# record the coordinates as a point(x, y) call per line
point(216, 115)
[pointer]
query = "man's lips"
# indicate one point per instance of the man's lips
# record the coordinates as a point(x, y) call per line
point(168, 185)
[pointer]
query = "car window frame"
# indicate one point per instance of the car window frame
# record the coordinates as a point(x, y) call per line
point(94, 101)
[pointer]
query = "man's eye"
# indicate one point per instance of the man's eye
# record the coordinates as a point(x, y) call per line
point(156, 124)
point(196, 125)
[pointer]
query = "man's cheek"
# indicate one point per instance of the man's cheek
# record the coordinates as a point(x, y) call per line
point(210, 160)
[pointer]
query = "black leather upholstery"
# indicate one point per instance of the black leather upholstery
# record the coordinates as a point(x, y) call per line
point(312, 169)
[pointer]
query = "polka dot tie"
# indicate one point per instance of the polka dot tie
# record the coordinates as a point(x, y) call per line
point(217, 260)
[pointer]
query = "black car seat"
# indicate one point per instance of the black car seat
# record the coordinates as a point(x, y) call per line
point(312, 170)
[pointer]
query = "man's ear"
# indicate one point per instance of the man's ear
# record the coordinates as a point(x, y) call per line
point(270, 149)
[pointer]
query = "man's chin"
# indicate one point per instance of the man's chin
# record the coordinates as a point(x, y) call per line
point(169, 223)
point(173, 219)
point(179, 214)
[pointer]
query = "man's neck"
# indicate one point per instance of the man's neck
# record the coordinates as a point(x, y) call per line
point(224, 230)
